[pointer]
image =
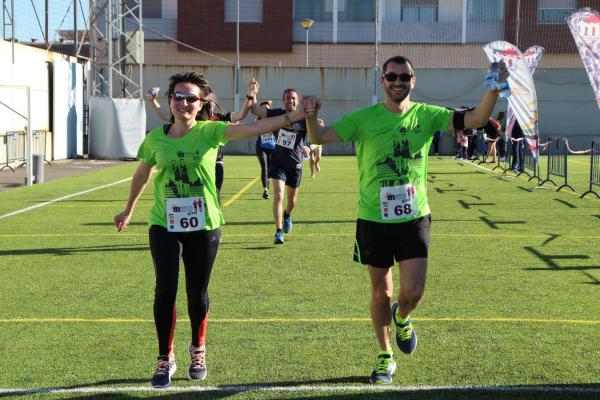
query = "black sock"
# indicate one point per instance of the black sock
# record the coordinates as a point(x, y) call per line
point(285, 214)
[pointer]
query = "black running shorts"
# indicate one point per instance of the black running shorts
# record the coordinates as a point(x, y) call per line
point(291, 176)
point(379, 244)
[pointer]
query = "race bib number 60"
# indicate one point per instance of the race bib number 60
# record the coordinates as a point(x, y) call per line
point(185, 214)
point(398, 202)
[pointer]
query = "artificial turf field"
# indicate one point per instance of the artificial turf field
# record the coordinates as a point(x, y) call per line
point(511, 308)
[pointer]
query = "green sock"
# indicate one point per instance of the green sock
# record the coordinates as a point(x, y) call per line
point(386, 352)
point(399, 319)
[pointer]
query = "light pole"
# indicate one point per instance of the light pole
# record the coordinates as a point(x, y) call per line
point(306, 24)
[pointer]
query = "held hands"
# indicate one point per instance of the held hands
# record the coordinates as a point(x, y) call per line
point(253, 87)
point(311, 105)
point(122, 220)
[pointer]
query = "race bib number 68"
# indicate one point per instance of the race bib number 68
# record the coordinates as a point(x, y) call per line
point(398, 202)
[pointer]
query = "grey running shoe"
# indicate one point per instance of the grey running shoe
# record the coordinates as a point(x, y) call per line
point(197, 369)
point(165, 369)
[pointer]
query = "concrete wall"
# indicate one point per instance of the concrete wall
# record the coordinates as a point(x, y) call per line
point(565, 97)
point(31, 67)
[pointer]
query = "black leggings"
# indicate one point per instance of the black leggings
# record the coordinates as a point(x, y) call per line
point(198, 251)
point(264, 156)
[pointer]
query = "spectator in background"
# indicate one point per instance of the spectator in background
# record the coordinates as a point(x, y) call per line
point(501, 143)
point(436, 142)
point(492, 133)
point(517, 148)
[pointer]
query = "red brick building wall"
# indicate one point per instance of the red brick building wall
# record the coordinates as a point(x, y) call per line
point(201, 23)
point(555, 38)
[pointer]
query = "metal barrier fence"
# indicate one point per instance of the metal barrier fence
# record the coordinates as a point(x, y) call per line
point(39, 143)
point(531, 165)
point(480, 148)
point(594, 169)
point(505, 162)
point(557, 163)
point(14, 142)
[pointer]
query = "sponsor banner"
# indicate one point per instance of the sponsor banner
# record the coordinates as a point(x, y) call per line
point(585, 28)
point(532, 55)
point(523, 98)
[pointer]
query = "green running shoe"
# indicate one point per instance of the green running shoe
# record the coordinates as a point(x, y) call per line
point(406, 336)
point(384, 369)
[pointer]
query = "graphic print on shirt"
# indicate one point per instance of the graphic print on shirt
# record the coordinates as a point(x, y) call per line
point(395, 168)
point(182, 186)
point(398, 176)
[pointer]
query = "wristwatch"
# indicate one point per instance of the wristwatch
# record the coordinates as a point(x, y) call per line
point(250, 97)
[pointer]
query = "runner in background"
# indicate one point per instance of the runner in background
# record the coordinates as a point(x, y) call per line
point(285, 168)
point(265, 144)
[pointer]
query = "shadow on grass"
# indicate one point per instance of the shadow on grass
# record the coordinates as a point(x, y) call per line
point(495, 224)
point(566, 203)
point(468, 206)
point(554, 392)
point(432, 174)
point(299, 222)
point(552, 265)
point(113, 224)
point(68, 251)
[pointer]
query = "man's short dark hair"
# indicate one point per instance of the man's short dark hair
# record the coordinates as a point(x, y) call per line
point(288, 90)
point(397, 60)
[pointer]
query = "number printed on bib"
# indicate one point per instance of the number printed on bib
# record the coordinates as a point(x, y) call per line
point(286, 139)
point(398, 202)
point(267, 138)
point(185, 214)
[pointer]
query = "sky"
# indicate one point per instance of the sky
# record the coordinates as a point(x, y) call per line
point(29, 26)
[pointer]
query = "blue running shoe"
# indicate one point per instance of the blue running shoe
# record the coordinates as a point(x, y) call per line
point(287, 223)
point(384, 369)
point(165, 369)
point(278, 238)
point(406, 336)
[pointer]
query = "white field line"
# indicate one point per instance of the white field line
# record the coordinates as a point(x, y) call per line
point(306, 388)
point(233, 199)
point(62, 198)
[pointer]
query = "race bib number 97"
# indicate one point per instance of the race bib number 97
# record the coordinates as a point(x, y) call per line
point(398, 202)
point(286, 139)
point(185, 214)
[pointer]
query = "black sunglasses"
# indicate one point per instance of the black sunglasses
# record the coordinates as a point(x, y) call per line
point(190, 97)
point(392, 76)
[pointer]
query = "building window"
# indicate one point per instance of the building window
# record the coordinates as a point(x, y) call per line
point(150, 8)
point(419, 11)
point(250, 11)
point(318, 10)
point(554, 11)
point(485, 10)
point(356, 10)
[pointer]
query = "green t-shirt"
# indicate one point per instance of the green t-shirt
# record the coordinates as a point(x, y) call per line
point(185, 167)
point(392, 151)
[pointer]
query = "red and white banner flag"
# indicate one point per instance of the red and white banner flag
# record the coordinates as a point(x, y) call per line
point(585, 28)
point(532, 55)
point(523, 98)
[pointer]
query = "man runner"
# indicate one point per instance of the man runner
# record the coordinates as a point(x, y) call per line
point(392, 146)
point(285, 167)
